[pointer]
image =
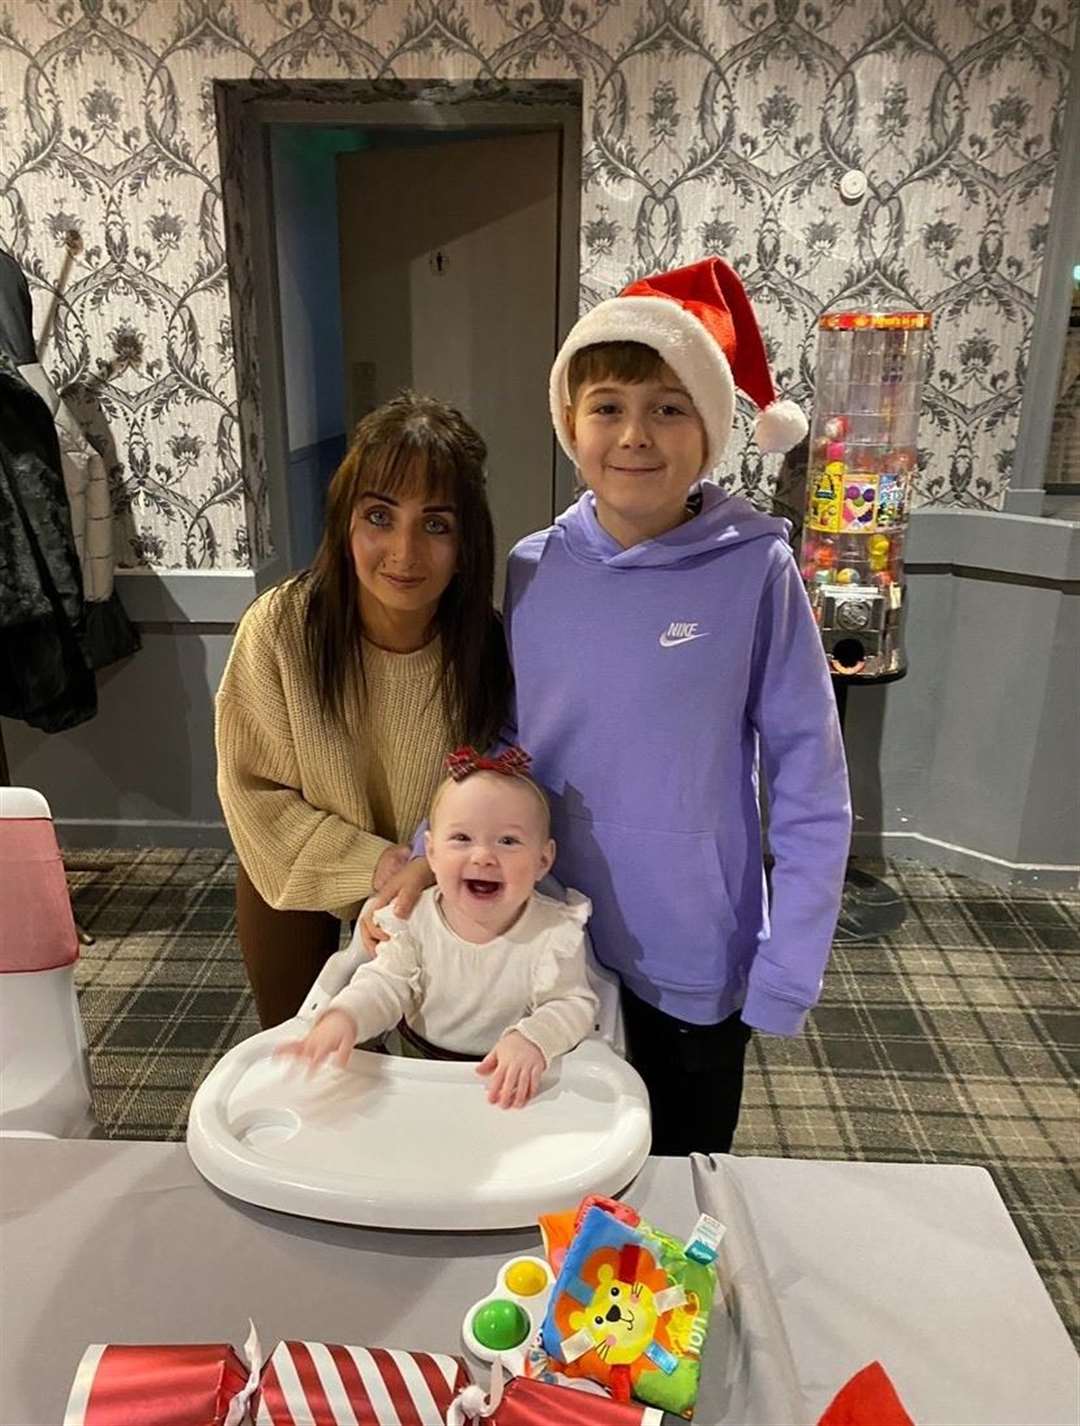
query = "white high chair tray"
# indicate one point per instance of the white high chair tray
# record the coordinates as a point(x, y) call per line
point(403, 1143)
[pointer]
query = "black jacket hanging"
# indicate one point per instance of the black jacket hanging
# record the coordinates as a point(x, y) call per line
point(16, 313)
point(106, 633)
point(45, 679)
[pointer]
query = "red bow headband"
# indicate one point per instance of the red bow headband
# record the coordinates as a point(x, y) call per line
point(513, 762)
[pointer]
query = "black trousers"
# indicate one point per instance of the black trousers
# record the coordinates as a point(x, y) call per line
point(694, 1075)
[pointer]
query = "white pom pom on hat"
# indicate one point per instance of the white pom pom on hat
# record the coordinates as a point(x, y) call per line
point(701, 323)
point(780, 427)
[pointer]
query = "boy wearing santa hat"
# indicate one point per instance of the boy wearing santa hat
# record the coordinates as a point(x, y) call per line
point(664, 655)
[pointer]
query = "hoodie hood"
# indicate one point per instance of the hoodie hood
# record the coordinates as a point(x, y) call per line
point(723, 522)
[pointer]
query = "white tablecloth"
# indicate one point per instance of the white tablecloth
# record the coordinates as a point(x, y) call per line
point(831, 1265)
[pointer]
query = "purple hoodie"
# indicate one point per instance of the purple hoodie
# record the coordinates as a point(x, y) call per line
point(649, 682)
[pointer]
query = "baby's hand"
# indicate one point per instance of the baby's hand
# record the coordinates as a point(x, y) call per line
point(515, 1066)
point(331, 1037)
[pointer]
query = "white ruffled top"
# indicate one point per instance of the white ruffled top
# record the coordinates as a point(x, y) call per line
point(463, 996)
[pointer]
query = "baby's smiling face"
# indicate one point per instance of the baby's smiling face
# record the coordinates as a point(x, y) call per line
point(488, 846)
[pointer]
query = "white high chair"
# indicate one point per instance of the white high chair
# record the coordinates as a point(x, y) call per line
point(44, 1077)
point(403, 1143)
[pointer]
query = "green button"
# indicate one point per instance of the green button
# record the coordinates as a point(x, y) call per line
point(500, 1325)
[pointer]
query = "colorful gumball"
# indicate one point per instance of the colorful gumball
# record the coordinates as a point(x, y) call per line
point(825, 556)
point(880, 547)
point(847, 576)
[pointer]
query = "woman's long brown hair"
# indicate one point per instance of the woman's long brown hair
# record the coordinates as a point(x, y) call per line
point(413, 437)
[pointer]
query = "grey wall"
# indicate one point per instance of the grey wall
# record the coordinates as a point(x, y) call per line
point(971, 762)
point(142, 772)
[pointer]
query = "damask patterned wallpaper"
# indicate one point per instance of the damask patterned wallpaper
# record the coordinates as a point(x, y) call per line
point(710, 125)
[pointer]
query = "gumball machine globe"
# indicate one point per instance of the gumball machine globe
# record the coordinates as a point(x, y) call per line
point(863, 458)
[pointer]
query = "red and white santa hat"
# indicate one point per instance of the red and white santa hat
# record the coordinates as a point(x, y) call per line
point(700, 321)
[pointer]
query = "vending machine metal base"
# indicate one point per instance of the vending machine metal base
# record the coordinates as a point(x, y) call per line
point(871, 908)
point(863, 459)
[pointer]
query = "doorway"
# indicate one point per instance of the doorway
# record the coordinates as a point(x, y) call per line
point(411, 241)
point(449, 285)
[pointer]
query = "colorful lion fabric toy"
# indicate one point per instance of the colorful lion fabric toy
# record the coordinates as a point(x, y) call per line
point(630, 1311)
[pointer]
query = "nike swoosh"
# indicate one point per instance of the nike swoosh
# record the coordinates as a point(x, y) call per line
point(666, 642)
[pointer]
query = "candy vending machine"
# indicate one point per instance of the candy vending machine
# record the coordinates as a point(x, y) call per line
point(863, 458)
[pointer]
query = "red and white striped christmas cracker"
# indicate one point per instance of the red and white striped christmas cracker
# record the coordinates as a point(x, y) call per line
point(184, 1385)
point(316, 1384)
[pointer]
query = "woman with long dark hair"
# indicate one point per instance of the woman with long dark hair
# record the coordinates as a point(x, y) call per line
point(348, 684)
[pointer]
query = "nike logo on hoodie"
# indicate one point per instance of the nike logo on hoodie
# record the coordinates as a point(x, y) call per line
point(677, 633)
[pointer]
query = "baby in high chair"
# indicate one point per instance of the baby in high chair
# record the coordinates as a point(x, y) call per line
point(486, 965)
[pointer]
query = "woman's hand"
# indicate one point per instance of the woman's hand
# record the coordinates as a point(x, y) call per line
point(515, 1066)
point(392, 861)
point(403, 889)
point(331, 1037)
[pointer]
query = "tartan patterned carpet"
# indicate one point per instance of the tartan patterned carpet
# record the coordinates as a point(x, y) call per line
point(953, 1039)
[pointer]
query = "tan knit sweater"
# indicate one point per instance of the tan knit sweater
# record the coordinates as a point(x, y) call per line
point(311, 805)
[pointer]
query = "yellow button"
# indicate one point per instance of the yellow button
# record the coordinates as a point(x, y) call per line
point(525, 1278)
